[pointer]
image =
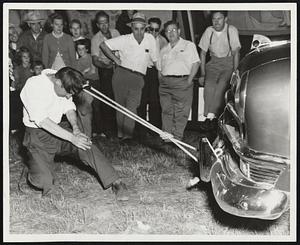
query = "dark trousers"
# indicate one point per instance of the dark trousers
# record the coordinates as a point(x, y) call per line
point(42, 148)
point(107, 123)
point(127, 88)
point(15, 110)
point(218, 72)
point(150, 97)
point(83, 103)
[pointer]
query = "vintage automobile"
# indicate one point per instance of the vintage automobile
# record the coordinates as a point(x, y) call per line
point(248, 161)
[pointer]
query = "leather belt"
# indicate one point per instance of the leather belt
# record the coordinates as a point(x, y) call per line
point(178, 76)
point(136, 72)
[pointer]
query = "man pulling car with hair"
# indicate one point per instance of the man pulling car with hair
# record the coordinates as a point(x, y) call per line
point(46, 98)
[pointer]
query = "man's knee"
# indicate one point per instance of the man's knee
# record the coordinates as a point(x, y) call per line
point(41, 180)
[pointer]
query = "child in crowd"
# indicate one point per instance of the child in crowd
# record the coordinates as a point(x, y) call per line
point(37, 67)
point(22, 72)
point(58, 47)
point(76, 31)
point(85, 63)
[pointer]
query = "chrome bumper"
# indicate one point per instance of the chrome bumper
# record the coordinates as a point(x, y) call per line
point(240, 196)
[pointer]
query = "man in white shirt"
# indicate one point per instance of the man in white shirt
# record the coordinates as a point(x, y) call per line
point(135, 51)
point(178, 64)
point(46, 98)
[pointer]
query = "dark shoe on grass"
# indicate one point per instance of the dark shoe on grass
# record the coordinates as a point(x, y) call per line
point(120, 190)
point(128, 141)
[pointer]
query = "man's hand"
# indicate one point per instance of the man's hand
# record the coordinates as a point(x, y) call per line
point(166, 135)
point(81, 141)
point(106, 62)
point(201, 81)
point(76, 131)
point(190, 81)
point(117, 61)
point(159, 75)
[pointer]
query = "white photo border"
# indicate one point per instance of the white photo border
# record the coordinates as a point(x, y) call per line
point(7, 237)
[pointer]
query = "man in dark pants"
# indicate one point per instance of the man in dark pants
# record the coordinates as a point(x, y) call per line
point(46, 98)
point(150, 95)
point(105, 116)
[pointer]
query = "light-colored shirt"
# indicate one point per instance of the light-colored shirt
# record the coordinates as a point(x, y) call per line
point(178, 60)
point(95, 43)
point(40, 101)
point(133, 55)
point(160, 43)
point(217, 42)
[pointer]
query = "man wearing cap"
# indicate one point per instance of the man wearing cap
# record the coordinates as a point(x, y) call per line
point(105, 116)
point(178, 64)
point(34, 37)
point(135, 51)
point(46, 98)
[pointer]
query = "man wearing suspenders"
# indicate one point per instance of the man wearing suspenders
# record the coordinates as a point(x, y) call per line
point(222, 41)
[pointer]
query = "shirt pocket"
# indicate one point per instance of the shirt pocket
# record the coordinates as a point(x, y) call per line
point(181, 54)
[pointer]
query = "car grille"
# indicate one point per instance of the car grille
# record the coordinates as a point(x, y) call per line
point(260, 171)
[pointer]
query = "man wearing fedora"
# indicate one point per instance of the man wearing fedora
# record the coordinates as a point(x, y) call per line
point(34, 37)
point(135, 51)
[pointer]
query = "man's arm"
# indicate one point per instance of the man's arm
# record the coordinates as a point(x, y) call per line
point(203, 61)
point(77, 140)
point(107, 51)
point(45, 52)
point(236, 58)
point(194, 71)
point(202, 67)
point(72, 53)
point(72, 118)
point(99, 63)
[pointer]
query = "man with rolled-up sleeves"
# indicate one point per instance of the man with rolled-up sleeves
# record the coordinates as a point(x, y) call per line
point(222, 42)
point(46, 98)
point(178, 64)
point(135, 51)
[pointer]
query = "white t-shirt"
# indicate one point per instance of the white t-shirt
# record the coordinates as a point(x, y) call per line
point(133, 55)
point(40, 101)
point(217, 42)
point(179, 59)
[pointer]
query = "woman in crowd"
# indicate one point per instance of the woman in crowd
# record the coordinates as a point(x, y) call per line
point(58, 47)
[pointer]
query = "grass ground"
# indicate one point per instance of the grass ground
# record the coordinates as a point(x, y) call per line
point(159, 203)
